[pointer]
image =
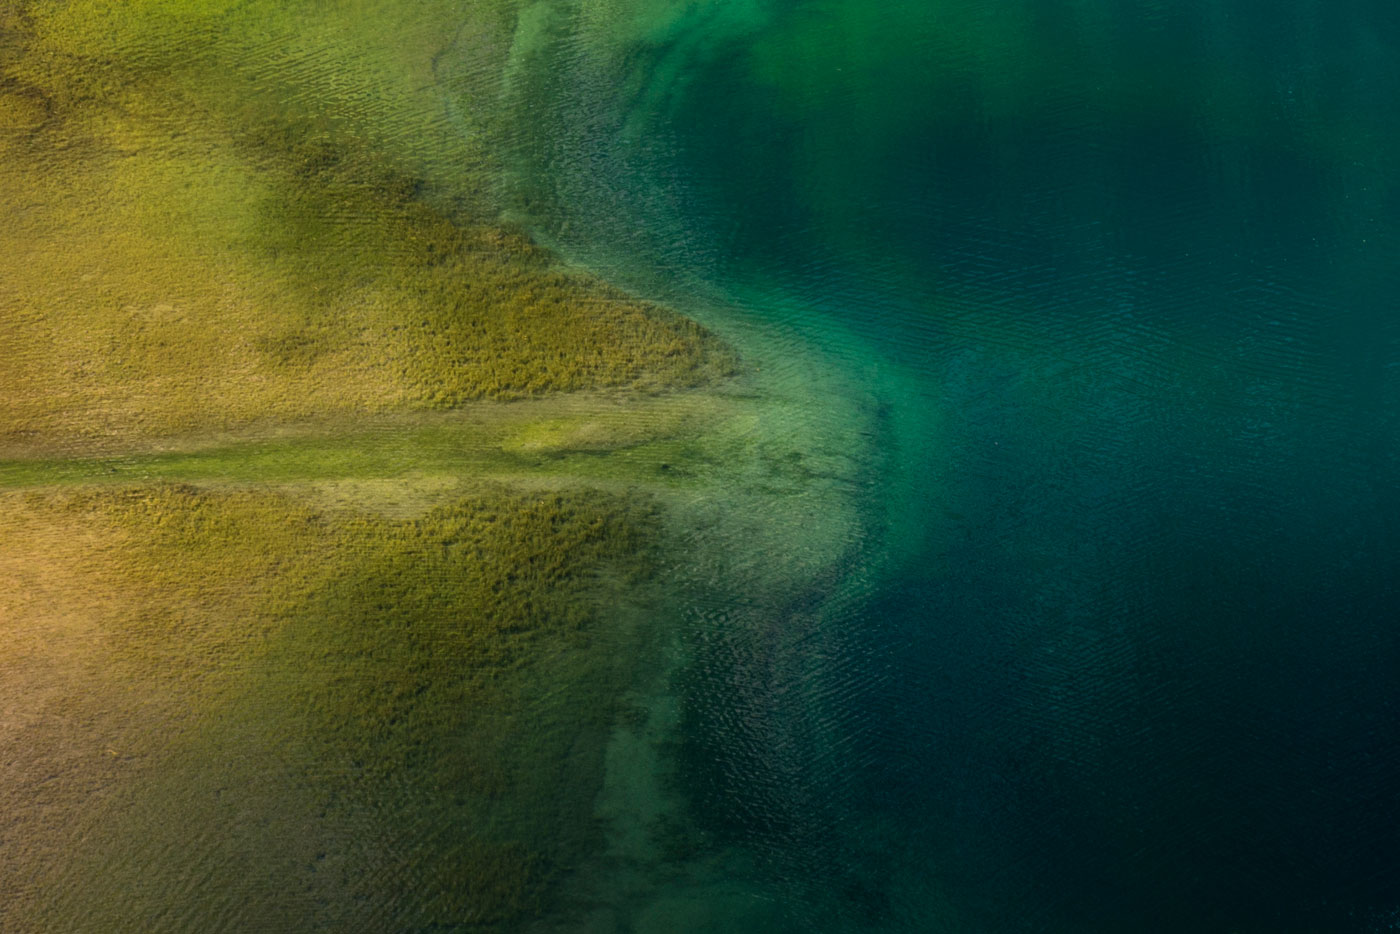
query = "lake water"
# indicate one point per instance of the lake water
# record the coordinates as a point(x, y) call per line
point(1113, 288)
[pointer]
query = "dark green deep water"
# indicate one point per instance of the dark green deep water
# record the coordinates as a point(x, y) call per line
point(1122, 279)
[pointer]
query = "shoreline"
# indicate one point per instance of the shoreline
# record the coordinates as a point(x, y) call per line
point(753, 493)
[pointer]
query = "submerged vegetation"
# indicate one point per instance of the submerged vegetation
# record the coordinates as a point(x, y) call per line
point(431, 689)
point(259, 672)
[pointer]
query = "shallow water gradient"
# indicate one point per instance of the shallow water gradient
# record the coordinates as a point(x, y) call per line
point(1117, 648)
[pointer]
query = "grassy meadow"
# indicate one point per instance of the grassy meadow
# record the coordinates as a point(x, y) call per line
point(321, 490)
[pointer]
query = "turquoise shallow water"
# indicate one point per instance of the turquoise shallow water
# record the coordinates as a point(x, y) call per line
point(1115, 646)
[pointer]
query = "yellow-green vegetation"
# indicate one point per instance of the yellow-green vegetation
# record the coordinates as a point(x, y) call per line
point(313, 712)
point(277, 654)
point(221, 214)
